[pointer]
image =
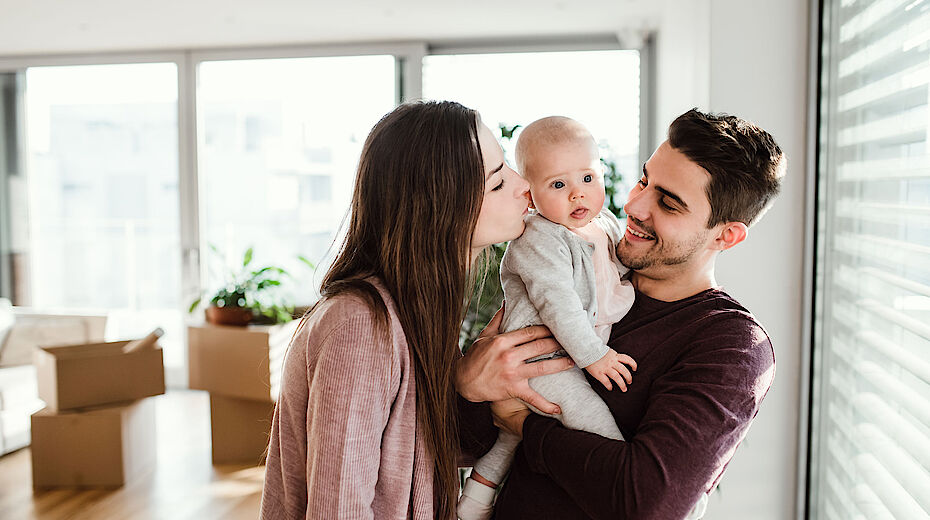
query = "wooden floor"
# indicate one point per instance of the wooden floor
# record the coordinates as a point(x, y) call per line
point(183, 485)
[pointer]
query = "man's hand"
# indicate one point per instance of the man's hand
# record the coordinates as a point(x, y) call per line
point(509, 415)
point(612, 366)
point(494, 368)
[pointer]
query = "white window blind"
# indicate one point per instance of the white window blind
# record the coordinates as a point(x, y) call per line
point(871, 409)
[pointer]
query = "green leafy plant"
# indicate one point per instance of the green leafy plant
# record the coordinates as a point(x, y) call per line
point(486, 298)
point(254, 289)
point(613, 183)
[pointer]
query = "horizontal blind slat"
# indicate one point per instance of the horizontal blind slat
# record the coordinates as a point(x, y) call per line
point(912, 34)
point(868, 17)
point(904, 434)
point(912, 77)
point(897, 168)
point(898, 281)
point(892, 495)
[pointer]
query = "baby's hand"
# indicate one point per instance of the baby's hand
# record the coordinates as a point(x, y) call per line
point(611, 366)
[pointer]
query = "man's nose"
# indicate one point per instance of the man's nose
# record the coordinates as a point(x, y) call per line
point(636, 206)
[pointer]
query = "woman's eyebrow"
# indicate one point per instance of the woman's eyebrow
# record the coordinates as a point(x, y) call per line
point(495, 170)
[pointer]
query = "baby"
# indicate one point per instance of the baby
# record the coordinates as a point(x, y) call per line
point(563, 273)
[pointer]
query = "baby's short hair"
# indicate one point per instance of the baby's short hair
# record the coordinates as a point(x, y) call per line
point(549, 131)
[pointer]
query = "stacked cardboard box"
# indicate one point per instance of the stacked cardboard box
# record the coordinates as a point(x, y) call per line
point(97, 428)
point(241, 369)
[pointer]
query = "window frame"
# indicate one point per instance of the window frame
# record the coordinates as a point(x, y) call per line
point(812, 251)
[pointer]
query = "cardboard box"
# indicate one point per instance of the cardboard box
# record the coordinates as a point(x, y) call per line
point(78, 376)
point(98, 447)
point(239, 429)
point(243, 362)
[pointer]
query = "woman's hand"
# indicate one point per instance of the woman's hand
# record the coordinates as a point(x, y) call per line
point(509, 415)
point(494, 369)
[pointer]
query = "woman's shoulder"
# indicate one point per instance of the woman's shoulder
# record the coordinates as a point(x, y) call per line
point(351, 313)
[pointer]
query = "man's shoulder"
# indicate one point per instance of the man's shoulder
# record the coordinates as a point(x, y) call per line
point(715, 305)
point(724, 324)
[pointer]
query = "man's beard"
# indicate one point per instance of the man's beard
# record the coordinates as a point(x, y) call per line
point(665, 255)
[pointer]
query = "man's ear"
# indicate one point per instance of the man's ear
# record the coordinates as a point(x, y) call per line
point(730, 234)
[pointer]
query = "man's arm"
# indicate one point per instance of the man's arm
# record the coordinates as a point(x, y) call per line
point(494, 369)
point(696, 416)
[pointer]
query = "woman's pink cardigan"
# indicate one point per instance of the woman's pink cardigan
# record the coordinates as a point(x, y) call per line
point(344, 439)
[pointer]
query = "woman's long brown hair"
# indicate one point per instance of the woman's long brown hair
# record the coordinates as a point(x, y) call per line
point(417, 196)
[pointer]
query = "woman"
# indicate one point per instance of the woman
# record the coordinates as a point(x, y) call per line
point(365, 426)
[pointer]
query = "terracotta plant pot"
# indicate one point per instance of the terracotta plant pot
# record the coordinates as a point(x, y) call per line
point(236, 316)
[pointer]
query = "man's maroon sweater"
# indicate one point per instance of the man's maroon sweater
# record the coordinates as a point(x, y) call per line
point(704, 366)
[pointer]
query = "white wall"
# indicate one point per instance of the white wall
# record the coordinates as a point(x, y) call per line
point(749, 58)
point(682, 61)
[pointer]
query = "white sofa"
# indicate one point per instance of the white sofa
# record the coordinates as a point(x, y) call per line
point(22, 330)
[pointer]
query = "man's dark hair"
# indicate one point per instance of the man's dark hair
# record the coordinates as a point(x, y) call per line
point(745, 163)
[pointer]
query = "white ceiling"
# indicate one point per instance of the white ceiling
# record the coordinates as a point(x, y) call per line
point(83, 26)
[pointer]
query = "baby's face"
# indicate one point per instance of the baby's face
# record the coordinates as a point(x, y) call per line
point(566, 182)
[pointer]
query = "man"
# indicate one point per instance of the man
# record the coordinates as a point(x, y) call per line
point(704, 362)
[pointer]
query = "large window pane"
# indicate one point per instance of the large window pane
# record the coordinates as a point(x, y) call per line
point(872, 375)
point(102, 191)
point(278, 146)
point(598, 88)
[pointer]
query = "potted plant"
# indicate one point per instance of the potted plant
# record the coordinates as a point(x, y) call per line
point(248, 295)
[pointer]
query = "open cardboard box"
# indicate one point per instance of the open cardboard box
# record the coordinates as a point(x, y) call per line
point(77, 376)
point(239, 429)
point(242, 362)
point(96, 447)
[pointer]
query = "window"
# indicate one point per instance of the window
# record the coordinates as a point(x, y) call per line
point(280, 141)
point(598, 88)
point(100, 196)
point(871, 421)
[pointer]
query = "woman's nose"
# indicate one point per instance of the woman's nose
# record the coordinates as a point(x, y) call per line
point(523, 187)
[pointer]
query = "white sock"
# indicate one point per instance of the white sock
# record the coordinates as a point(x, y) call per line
point(481, 493)
point(476, 502)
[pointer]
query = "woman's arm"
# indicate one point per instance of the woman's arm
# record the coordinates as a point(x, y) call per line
point(697, 414)
point(328, 428)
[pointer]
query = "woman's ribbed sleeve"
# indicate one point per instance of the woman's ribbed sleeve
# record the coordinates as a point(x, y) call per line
point(325, 449)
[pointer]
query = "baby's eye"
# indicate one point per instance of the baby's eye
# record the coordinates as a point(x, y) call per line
point(558, 185)
point(588, 178)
